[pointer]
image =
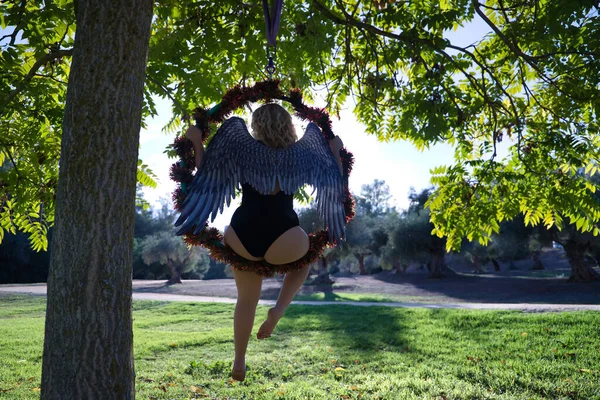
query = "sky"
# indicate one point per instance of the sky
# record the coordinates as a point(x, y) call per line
point(398, 163)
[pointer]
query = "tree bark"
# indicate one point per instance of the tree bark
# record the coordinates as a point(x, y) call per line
point(323, 276)
point(175, 273)
point(437, 265)
point(88, 344)
point(399, 267)
point(537, 262)
point(476, 265)
point(580, 271)
point(496, 264)
point(361, 263)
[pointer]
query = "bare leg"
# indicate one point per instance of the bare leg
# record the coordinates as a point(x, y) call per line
point(248, 286)
point(289, 247)
point(291, 284)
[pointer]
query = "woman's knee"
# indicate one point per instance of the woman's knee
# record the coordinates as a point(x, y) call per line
point(248, 284)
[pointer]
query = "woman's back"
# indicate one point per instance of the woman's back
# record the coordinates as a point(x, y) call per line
point(262, 218)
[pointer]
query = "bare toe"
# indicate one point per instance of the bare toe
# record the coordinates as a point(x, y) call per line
point(266, 329)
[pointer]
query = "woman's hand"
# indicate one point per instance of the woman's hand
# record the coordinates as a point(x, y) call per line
point(336, 145)
point(194, 134)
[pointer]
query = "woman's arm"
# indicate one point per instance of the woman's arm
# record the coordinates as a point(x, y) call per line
point(195, 135)
point(336, 145)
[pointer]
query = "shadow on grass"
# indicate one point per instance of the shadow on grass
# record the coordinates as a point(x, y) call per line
point(500, 289)
point(328, 291)
point(361, 328)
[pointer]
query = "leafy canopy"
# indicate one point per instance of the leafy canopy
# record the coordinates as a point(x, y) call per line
point(533, 81)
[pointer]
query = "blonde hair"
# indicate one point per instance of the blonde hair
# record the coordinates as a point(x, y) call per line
point(272, 125)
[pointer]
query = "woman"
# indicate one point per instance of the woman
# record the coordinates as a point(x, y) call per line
point(265, 227)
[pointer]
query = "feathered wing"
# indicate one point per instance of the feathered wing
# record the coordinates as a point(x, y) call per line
point(231, 155)
point(310, 161)
point(234, 156)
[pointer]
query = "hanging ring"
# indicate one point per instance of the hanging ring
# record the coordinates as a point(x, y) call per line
point(271, 68)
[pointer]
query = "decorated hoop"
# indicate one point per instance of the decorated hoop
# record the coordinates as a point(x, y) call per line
point(181, 172)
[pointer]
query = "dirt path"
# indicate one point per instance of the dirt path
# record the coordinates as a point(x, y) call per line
point(410, 288)
point(150, 290)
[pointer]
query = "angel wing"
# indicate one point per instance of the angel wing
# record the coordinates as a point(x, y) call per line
point(234, 157)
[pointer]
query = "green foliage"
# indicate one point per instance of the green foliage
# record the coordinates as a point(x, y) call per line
point(532, 81)
point(309, 219)
point(34, 56)
point(35, 53)
point(168, 250)
point(19, 263)
point(410, 237)
point(185, 351)
point(159, 254)
point(374, 198)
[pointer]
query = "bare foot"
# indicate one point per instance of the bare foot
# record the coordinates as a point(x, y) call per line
point(238, 372)
point(267, 327)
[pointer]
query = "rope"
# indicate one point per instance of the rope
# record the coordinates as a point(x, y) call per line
point(272, 19)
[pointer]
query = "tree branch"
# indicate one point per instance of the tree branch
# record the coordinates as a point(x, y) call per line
point(412, 40)
point(369, 28)
point(12, 160)
point(32, 72)
point(167, 91)
point(13, 35)
point(514, 47)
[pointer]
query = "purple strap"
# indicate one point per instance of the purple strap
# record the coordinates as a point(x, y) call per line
point(272, 21)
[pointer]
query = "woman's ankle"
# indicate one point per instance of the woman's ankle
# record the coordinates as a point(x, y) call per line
point(276, 312)
point(239, 365)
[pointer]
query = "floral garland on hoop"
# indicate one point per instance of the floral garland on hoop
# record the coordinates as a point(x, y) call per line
point(181, 172)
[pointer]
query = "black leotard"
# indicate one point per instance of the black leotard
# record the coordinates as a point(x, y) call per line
point(261, 219)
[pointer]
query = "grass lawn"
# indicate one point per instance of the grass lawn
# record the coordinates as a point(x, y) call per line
point(184, 351)
point(367, 297)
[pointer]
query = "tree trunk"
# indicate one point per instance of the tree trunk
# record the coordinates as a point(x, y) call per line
point(399, 267)
point(580, 271)
point(323, 277)
point(476, 265)
point(496, 264)
point(175, 273)
point(537, 262)
point(437, 265)
point(361, 263)
point(88, 348)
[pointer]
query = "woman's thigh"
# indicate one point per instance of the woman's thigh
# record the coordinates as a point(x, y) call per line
point(248, 285)
point(232, 240)
point(289, 247)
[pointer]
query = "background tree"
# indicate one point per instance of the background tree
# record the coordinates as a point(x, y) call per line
point(365, 234)
point(216, 270)
point(359, 240)
point(515, 241)
point(581, 250)
point(411, 238)
point(374, 199)
point(166, 249)
point(311, 222)
point(532, 82)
